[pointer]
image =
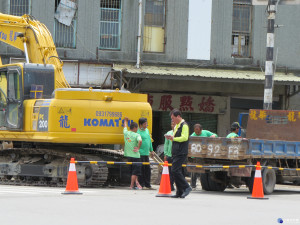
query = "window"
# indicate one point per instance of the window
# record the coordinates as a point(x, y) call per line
point(13, 99)
point(65, 23)
point(3, 97)
point(110, 24)
point(19, 7)
point(241, 28)
point(154, 26)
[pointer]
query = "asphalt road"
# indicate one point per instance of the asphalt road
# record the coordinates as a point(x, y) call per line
point(43, 205)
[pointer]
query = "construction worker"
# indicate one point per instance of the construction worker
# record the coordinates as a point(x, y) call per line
point(146, 149)
point(133, 142)
point(180, 145)
point(168, 153)
point(235, 127)
point(199, 132)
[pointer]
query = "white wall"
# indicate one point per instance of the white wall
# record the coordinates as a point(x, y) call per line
point(71, 72)
point(199, 29)
point(89, 74)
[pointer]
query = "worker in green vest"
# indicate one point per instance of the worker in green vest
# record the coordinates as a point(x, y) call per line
point(235, 127)
point(199, 132)
point(133, 142)
point(146, 149)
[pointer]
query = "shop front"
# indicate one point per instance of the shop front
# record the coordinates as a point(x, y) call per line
point(213, 97)
point(203, 109)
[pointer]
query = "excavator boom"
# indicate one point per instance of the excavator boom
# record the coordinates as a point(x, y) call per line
point(39, 45)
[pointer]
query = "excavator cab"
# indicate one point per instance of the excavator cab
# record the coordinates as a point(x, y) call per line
point(19, 82)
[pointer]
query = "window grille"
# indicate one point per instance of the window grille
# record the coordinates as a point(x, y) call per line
point(154, 26)
point(110, 24)
point(241, 28)
point(65, 23)
point(19, 7)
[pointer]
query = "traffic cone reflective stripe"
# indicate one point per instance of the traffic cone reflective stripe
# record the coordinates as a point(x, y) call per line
point(72, 167)
point(258, 173)
point(165, 170)
point(257, 190)
point(72, 184)
point(165, 186)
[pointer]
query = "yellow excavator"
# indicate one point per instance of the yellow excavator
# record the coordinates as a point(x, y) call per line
point(44, 122)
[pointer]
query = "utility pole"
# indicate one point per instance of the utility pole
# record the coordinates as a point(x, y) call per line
point(269, 65)
point(138, 57)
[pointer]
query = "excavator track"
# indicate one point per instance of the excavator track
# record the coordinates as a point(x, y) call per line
point(99, 173)
point(47, 167)
point(40, 166)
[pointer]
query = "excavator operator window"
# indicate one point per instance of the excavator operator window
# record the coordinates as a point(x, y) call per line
point(13, 99)
point(3, 98)
point(13, 88)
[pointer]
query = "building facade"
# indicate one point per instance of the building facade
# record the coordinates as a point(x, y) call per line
point(204, 57)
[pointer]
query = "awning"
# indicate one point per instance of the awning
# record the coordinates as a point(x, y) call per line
point(201, 74)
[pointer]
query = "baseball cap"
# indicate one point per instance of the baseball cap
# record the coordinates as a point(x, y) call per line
point(235, 125)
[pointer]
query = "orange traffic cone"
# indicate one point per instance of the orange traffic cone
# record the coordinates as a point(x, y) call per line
point(257, 190)
point(72, 184)
point(165, 186)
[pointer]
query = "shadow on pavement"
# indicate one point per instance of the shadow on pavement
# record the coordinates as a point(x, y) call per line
point(245, 192)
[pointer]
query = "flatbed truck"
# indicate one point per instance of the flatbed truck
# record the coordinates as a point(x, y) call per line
point(272, 138)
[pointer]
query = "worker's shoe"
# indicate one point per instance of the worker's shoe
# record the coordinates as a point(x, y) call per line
point(186, 192)
point(230, 186)
point(139, 187)
point(149, 188)
point(178, 195)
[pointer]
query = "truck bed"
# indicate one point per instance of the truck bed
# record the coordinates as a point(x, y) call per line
point(242, 148)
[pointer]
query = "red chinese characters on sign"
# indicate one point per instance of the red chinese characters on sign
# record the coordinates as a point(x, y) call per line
point(207, 104)
point(150, 99)
point(186, 103)
point(166, 103)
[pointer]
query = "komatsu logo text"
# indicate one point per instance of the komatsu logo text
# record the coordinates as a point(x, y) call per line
point(104, 122)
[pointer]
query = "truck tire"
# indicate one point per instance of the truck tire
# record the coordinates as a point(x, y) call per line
point(269, 180)
point(208, 184)
point(215, 186)
point(204, 181)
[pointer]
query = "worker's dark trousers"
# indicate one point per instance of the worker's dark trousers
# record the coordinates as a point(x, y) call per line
point(144, 179)
point(170, 160)
point(178, 175)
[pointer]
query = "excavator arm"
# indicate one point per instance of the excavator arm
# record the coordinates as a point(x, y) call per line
point(33, 38)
